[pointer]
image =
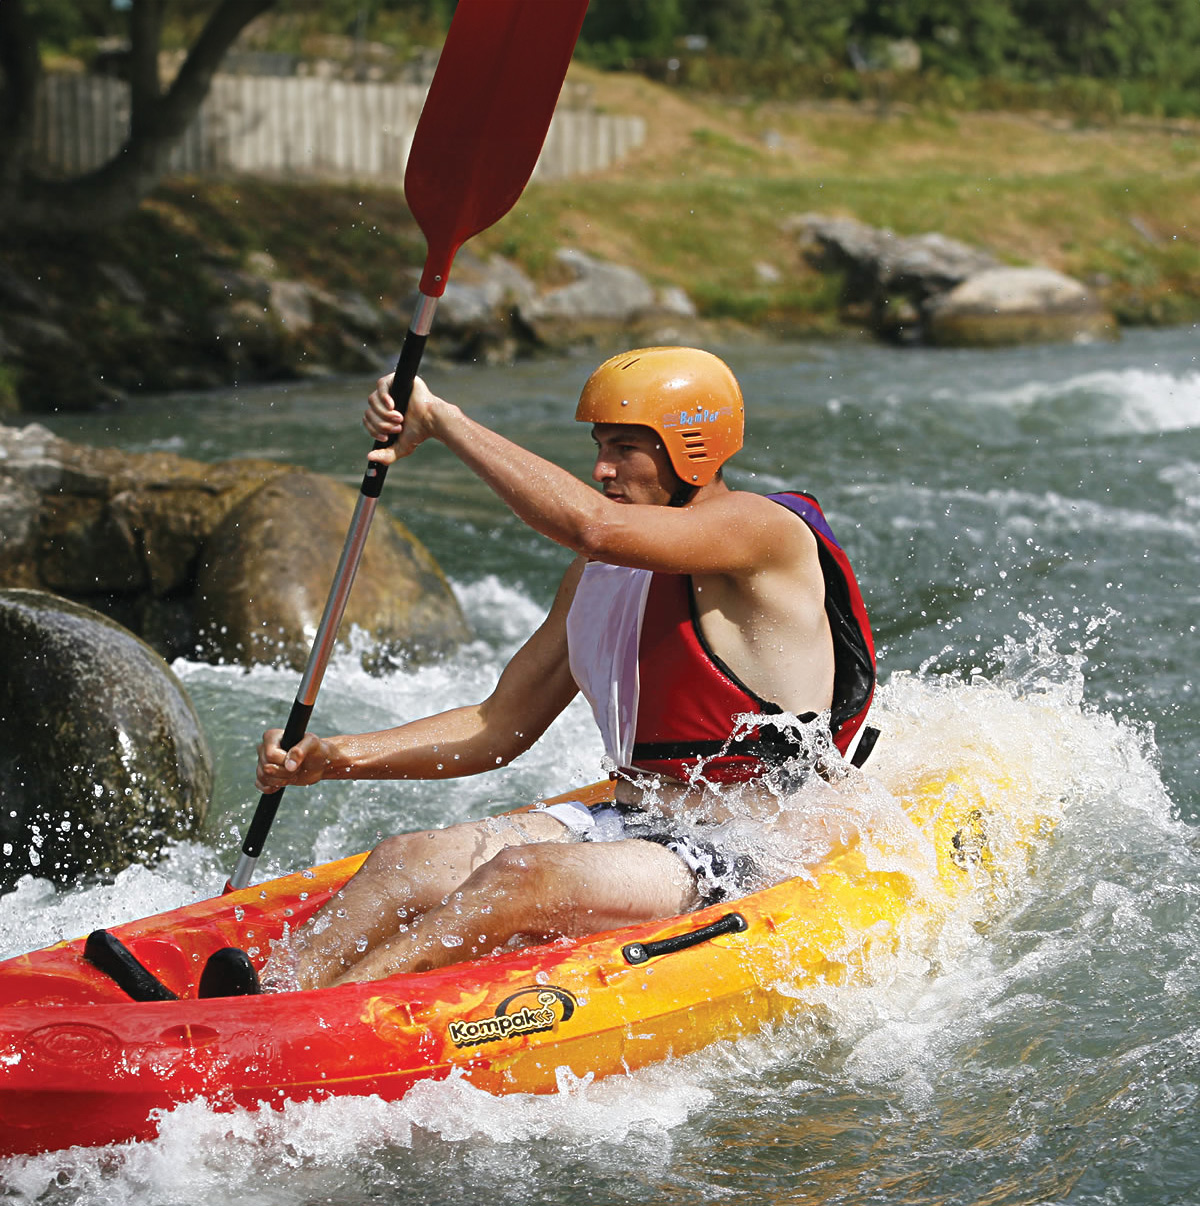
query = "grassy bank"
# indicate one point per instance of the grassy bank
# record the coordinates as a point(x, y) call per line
point(705, 200)
point(703, 205)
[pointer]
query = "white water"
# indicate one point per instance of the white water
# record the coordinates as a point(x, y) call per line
point(1026, 528)
point(900, 1039)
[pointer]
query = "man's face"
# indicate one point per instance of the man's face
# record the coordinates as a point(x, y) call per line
point(632, 465)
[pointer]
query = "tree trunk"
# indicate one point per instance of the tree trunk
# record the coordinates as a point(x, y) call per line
point(157, 121)
point(20, 69)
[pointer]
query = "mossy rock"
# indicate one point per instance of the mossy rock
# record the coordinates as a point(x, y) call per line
point(267, 569)
point(104, 759)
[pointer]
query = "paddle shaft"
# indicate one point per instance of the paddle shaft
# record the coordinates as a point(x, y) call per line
point(339, 595)
point(476, 144)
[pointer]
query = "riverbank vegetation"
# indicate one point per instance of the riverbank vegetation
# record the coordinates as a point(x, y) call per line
point(1091, 58)
point(705, 205)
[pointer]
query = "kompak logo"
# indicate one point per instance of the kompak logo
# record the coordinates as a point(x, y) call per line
point(527, 1011)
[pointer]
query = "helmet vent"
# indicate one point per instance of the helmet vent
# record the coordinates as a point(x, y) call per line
point(694, 446)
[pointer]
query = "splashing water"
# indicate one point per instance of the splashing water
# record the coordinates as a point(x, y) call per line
point(1038, 1044)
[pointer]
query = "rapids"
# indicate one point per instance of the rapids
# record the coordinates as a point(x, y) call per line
point(1026, 527)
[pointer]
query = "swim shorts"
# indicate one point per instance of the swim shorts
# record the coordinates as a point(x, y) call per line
point(719, 874)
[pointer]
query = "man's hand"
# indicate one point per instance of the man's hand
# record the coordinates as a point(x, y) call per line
point(383, 421)
point(305, 763)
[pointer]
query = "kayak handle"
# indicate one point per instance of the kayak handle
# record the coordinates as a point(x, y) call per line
point(641, 952)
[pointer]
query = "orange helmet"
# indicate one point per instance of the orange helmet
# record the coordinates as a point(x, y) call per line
point(689, 397)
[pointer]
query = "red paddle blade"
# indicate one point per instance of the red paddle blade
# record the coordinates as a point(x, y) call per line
point(485, 119)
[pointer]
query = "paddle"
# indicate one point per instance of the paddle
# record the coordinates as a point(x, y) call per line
point(476, 143)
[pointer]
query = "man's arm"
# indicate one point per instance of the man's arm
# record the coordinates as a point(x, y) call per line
point(534, 688)
point(690, 540)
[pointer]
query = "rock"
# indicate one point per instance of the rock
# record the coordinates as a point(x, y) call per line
point(463, 305)
point(935, 289)
point(674, 302)
point(609, 292)
point(878, 263)
point(351, 308)
point(96, 522)
point(125, 533)
point(124, 282)
point(477, 315)
point(267, 571)
point(103, 759)
point(602, 301)
point(291, 306)
point(1017, 305)
point(271, 327)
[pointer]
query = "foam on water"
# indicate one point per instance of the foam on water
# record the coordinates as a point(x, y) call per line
point(946, 1016)
point(305, 1149)
point(1111, 400)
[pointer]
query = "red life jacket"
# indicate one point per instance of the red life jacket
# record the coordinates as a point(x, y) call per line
point(688, 697)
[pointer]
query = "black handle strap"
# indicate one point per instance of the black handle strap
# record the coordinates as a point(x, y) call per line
point(110, 955)
point(641, 952)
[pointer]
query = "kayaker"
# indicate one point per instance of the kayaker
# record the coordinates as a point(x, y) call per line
point(688, 603)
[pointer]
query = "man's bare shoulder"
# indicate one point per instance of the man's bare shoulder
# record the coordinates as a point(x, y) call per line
point(744, 506)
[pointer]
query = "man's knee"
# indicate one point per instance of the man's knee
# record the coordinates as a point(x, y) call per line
point(396, 853)
point(534, 874)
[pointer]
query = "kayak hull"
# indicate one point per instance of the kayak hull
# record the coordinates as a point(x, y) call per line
point(82, 1064)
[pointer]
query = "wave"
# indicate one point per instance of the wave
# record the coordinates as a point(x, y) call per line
point(1110, 401)
point(976, 1011)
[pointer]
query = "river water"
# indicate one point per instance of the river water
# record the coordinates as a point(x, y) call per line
point(1026, 526)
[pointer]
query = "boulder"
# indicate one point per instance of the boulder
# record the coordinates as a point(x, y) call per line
point(267, 570)
point(888, 279)
point(933, 289)
point(269, 326)
point(477, 315)
point(1015, 306)
point(600, 290)
point(602, 301)
point(103, 759)
point(119, 532)
point(126, 533)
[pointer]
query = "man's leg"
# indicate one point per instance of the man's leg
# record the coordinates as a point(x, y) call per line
point(402, 878)
point(542, 891)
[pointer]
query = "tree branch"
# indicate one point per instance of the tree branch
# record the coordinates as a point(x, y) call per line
point(191, 85)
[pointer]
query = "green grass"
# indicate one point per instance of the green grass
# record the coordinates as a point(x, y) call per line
point(704, 207)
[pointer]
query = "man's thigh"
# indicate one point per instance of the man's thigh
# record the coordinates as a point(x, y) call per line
point(591, 886)
point(436, 861)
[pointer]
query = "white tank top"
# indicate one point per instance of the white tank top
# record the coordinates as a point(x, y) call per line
point(603, 629)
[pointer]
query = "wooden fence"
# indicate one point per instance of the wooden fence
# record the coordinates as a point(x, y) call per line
point(298, 127)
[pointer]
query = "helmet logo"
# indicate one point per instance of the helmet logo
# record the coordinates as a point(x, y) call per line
point(702, 415)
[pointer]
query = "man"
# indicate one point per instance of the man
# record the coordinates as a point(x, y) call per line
point(687, 605)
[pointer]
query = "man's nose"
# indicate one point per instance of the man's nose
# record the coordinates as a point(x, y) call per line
point(603, 470)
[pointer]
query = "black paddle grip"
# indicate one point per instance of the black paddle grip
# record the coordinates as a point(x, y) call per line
point(268, 804)
point(402, 383)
